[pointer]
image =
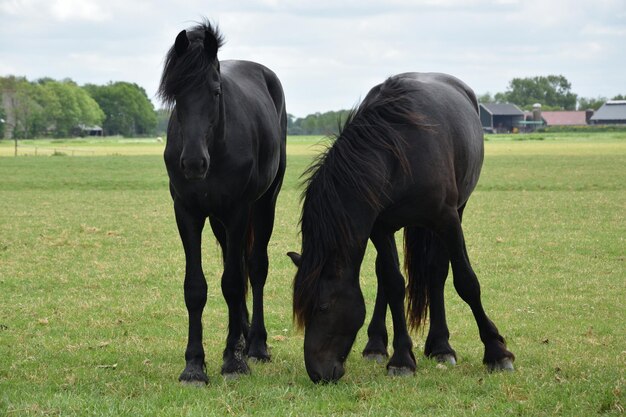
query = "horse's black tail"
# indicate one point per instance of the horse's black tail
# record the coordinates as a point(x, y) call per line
point(418, 252)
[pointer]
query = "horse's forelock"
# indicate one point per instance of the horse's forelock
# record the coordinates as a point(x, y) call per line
point(192, 69)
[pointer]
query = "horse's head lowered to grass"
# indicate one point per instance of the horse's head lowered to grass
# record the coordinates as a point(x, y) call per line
point(331, 319)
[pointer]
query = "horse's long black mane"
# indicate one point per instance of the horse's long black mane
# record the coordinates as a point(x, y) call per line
point(191, 70)
point(356, 160)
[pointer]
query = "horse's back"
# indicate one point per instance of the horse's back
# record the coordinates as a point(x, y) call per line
point(256, 84)
point(443, 84)
point(444, 97)
point(451, 114)
point(445, 152)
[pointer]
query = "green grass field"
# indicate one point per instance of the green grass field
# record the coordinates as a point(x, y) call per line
point(92, 317)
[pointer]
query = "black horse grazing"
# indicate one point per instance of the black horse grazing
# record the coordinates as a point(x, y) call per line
point(408, 157)
point(225, 156)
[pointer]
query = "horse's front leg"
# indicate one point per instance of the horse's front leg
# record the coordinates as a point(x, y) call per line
point(377, 338)
point(190, 227)
point(234, 289)
point(402, 361)
point(263, 225)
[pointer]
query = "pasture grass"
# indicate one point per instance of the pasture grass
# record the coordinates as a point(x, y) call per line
point(92, 318)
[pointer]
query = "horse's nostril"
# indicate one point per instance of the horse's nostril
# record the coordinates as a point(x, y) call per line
point(315, 377)
point(194, 164)
point(337, 372)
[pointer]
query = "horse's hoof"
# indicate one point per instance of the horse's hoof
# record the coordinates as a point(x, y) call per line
point(375, 357)
point(399, 371)
point(446, 358)
point(504, 364)
point(402, 362)
point(261, 359)
point(376, 349)
point(194, 377)
point(234, 368)
point(232, 376)
point(194, 384)
point(259, 355)
point(258, 352)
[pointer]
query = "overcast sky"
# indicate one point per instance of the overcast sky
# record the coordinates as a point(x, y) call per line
point(328, 54)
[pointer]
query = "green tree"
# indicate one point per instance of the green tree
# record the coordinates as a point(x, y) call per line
point(552, 91)
point(89, 110)
point(292, 127)
point(47, 107)
point(309, 124)
point(163, 118)
point(66, 107)
point(485, 98)
point(619, 97)
point(317, 123)
point(127, 109)
point(24, 113)
point(585, 103)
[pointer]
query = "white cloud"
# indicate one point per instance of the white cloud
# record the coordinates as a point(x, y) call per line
point(84, 10)
point(327, 53)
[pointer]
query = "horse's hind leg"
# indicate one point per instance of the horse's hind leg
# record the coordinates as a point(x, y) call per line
point(190, 229)
point(376, 347)
point(222, 238)
point(437, 344)
point(497, 357)
point(233, 289)
point(258, 264)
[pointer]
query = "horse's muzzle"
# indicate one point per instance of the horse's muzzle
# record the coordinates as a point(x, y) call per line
point(194, 168)
point(325, 373)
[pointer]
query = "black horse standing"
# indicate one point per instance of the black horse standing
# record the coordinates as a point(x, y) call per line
point(225, 156)
point(408, 157)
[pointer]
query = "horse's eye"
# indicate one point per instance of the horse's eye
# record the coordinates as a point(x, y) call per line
point(324, 307)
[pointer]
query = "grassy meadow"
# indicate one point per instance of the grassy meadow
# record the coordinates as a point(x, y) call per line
point(93, 322)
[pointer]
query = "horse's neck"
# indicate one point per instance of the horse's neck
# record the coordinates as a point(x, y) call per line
point(362, 215)
point(359, 220)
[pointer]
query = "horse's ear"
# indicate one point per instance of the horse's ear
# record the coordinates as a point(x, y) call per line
point(296, 258)
point(182, 43)
point(210, 44)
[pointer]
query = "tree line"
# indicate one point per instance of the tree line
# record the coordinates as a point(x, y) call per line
point(316, 124)
point(553, 92)
point(51, 108)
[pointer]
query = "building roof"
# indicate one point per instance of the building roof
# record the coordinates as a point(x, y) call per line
point(564, 118)
point(502, 109)
point(611, 110)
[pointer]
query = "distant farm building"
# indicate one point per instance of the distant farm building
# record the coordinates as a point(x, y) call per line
point(500, 117)
point(611, 112)
point(84, 130)
point(565, 118)
point(538, 118)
